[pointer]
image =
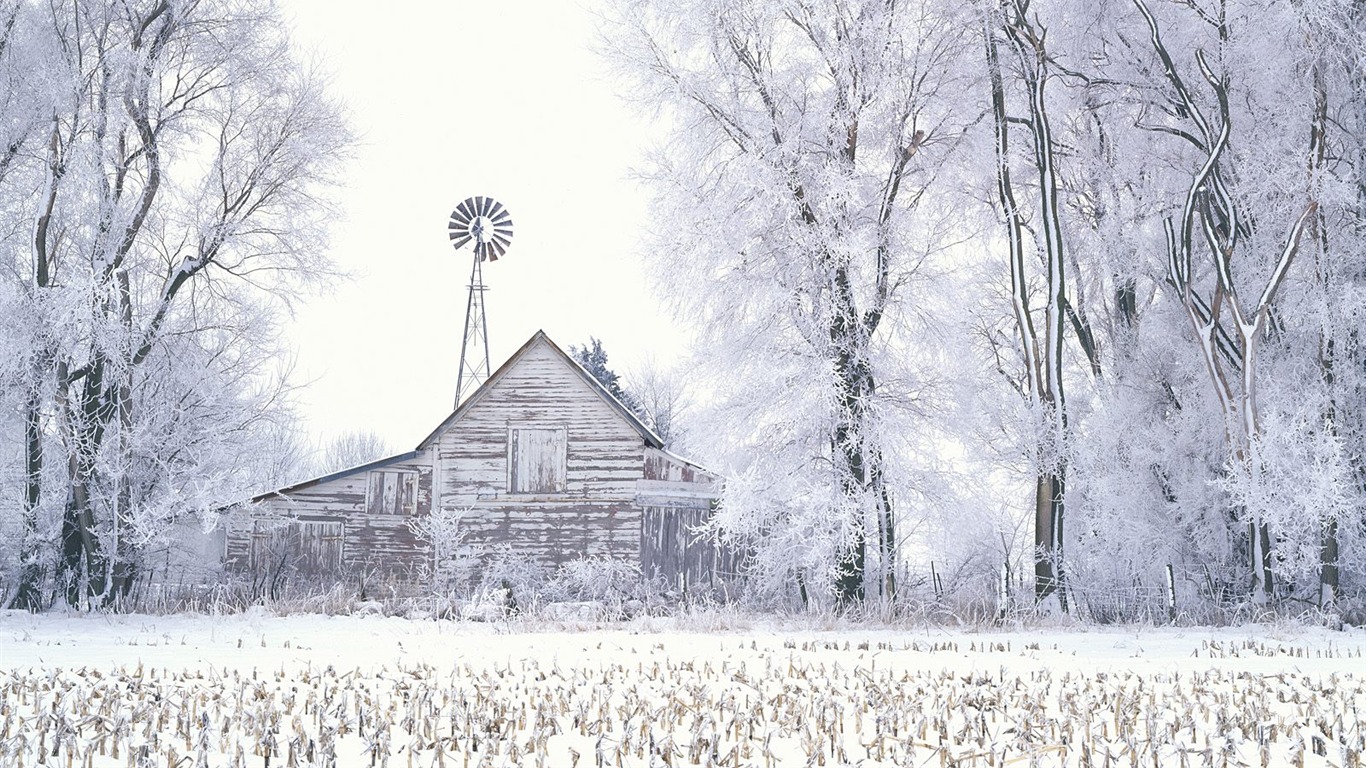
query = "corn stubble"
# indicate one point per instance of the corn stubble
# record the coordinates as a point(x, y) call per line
point(809, 703)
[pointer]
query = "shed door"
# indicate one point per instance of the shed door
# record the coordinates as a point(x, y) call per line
point(671, 548)
point(303, 546)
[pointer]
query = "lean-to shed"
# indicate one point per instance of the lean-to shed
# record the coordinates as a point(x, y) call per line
point(541, 458)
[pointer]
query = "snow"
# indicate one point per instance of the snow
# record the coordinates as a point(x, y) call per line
point(655, 692)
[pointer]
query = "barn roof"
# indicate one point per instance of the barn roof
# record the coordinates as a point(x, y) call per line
point(540, 338)
point(367, 466)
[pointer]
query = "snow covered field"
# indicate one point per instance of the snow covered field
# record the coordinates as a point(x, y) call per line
point(259, 690)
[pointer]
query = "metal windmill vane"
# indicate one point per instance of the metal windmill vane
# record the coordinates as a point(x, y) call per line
point(486, 223)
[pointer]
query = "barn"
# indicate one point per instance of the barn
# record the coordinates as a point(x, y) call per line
point(540, 460)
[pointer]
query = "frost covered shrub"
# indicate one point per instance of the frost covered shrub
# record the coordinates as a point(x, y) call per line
point(1144, 491)
point(603, 580)
point(793, 539)
point(455, 564)
point(513, 578)
point(1298, 478)
point(970, 591)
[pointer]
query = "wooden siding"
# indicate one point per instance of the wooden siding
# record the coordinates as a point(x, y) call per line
point(551, 532)
point(373, 537)
point(662, 465)
point(604, 456)
point(677, 498)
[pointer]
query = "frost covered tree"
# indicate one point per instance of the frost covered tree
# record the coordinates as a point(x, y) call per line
point(1248, 167)
point(161, 186)
point(1212, 437)
point(1155, 244)
point(1043, 382)
point(1159, 395)
point(794, 214)
point(1213, 225)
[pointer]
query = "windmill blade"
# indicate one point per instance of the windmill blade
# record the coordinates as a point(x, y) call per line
point(480, 204)
point(496, 210)
point(459, 219)
point(466, 208)
point(458, 244)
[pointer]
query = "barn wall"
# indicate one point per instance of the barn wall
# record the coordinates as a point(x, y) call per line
point(370, 539)
point(677, 498)
point(664, 466)
point(596, 513)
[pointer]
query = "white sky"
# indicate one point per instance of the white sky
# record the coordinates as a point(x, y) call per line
point(454, 99)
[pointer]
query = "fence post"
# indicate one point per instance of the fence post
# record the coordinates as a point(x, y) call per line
point(1004, 598)
point(936, 584)
point(1171, 594)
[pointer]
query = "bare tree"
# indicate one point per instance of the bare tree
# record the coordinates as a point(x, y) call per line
point(663, 401)
point(352, 449)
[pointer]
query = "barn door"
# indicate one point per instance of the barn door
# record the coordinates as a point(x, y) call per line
point(670, 548)
point(311, 547)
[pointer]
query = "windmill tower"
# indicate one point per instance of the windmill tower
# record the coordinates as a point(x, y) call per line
point(489, 225)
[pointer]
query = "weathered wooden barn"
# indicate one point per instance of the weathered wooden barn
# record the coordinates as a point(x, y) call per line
point(541, 458)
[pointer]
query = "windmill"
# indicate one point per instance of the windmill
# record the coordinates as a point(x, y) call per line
point(488, 224)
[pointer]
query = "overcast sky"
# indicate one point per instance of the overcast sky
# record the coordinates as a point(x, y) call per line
point(454, 99)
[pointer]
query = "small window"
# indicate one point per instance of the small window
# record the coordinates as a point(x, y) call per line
point(391, 492)
point(536, 460)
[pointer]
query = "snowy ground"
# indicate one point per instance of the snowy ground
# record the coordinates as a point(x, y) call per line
point(356, 691)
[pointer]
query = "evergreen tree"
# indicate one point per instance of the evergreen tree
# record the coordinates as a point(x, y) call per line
point(593, 358)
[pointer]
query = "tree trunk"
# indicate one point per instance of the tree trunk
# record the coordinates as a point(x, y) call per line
point(848, 444)
point(82, 565)
point(29, 594)
point(1048, 508)
point(1318, 142)
point(1328, 567)
point(861, 475)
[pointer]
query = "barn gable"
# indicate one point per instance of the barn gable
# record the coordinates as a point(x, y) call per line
point(544, 355)
point(543, 458)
